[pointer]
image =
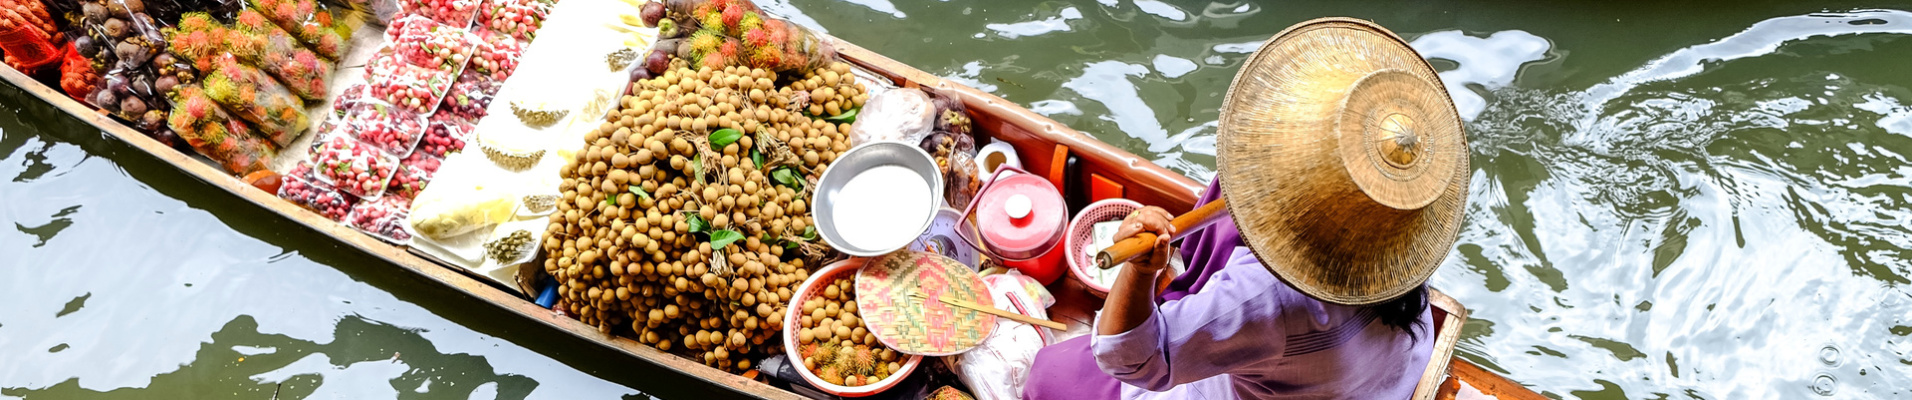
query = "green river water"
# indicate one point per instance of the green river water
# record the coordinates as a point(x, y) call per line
point(1669, 200)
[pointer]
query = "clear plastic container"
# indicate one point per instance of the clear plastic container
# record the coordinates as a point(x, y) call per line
point(409, 87)
point(469, 96)
point(519, 19)
point(444, 134)
point(353, 167)
point(497, 56)
point(383, 218)
point(456, 13)
point(394, 130)
point(351, 96)
point(316, 197)
point(414, 173)
point(436, 46)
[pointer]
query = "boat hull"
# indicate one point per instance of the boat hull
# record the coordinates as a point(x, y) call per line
point(1086, 168)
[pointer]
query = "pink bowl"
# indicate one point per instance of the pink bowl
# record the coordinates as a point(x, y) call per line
point(1078, 237)
point(794, 318)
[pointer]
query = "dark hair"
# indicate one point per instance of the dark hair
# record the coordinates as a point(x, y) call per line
point(1403, 313)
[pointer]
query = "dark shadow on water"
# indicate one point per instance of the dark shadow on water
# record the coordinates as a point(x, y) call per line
point(241, 362)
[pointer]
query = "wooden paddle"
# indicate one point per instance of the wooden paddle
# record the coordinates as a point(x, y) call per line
point(994, 311)
point(1127, 249)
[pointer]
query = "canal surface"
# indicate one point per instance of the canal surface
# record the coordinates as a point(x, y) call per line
point(1669, 200)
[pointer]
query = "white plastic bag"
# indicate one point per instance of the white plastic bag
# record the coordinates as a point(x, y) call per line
point(998, 368)
point(900, 115)
point(461, 200)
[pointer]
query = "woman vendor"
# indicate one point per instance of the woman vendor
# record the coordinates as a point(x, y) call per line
point(1319, 292)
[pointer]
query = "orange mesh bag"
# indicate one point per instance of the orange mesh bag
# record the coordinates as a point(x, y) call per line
point(27, 47)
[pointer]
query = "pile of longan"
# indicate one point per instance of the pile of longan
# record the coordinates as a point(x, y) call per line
point(631, 239)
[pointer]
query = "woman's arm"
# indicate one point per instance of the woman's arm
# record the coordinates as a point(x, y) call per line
point(1225, 328)
point(1132, 299)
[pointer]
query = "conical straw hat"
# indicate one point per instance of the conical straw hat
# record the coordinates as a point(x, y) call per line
point(1343, 161)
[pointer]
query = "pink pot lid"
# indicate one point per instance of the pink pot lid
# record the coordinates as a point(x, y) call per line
point(1021, 216)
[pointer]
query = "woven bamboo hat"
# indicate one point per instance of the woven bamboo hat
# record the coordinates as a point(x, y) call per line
point(1343, 161)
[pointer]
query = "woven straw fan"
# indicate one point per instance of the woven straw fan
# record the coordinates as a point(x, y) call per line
point(1342, 161)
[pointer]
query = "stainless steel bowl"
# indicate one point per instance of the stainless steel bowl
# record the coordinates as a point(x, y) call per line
point(863, 158)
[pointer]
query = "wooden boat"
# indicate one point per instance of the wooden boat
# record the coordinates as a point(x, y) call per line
point(1086, 169)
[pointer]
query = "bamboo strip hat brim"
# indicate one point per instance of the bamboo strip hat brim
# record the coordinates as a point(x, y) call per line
point(1343, 161)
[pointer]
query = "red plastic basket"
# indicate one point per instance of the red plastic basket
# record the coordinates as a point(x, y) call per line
point(1078, 237)
point(792, 322)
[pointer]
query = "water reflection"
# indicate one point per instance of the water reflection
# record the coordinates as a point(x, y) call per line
point(1692, 207)
point(1485, 63)
point(364, 359)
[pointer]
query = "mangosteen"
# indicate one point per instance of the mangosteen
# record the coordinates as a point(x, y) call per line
point(106, 100)
point(94, 12)
point(134, 6)
point(165, 84)
point(132, 54)
point(117, 84)
point(670, 30)
point(87, 47)
point(658, 62)
point(167, 137)
point(115, 28)
point(152, 119)
point(638, 74)
point(652, 12)
point(132, 106)
point(117, 9)
point(165, 61)
point(148, 28)
point(142, 85)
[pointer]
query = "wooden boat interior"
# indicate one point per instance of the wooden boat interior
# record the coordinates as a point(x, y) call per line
point(1086, 169)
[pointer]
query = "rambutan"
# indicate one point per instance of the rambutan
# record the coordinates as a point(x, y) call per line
point(750, 22)
point(863, 361)
point(766, 57)
point(948, 393)
point(756, 38)
point(779, 33)
point(826, 354)
point(792, 58)
point(196, 21)
point(845, 359)
point(807, 350)
point(713, 20)
point(704, 9)
point(705, 41)
point(830, 374)
point(732, 49)
point(715, 61)
point(733, 17)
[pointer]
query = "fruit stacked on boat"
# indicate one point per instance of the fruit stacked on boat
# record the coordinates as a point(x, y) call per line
point(687, 214)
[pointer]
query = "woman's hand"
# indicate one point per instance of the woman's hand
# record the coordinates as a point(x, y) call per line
point(1129, 303)
point(1152, 220)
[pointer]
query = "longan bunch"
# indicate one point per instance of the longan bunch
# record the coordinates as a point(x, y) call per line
point(836, 345)
point(644, 201)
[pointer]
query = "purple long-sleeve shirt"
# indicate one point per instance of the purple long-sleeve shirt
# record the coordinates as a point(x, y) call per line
point(1245, 334)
